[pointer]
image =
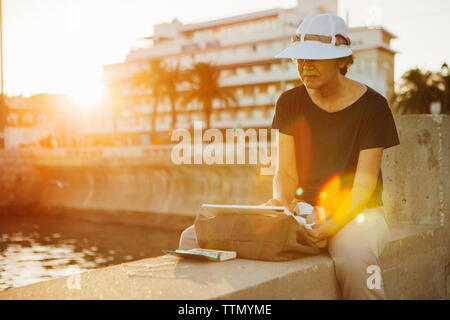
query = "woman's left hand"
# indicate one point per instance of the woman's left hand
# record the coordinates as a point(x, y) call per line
point(323, 230)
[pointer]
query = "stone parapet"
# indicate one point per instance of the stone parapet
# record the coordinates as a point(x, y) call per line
point(310, 277)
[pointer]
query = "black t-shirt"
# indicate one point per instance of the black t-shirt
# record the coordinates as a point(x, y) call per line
point(328, 143)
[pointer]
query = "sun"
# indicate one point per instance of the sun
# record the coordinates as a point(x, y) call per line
point(87, 93)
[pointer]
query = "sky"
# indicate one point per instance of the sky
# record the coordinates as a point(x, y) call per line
point(59, 46)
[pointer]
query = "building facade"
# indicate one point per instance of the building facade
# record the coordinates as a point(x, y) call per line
point(243, 47)
point(41, 121)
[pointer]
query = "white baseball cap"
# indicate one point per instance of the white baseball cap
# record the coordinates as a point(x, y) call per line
point(319, 36)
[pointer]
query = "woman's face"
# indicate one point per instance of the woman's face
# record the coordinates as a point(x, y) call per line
point(317, 73)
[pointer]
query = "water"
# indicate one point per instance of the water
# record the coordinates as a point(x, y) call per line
point(38, 248)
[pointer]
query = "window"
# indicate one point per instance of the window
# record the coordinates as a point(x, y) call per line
point(248, 91)
point(272, 89)
point(242, 115)
point(42, 118)
point(256, 114)
point(27, 118)
point(12, 118)
point(263, 89)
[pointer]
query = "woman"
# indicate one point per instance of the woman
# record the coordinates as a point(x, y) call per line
point(333, 131)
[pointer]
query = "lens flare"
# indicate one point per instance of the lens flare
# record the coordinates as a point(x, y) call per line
point(334, 198)
point(329, 192)
point(360, 218)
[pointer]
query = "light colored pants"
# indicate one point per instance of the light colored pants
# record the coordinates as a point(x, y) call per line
point(355, 250)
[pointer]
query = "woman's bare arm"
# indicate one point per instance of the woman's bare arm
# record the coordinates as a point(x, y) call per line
point(285, 181)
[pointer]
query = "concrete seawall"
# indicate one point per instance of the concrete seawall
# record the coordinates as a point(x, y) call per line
point(144, 180)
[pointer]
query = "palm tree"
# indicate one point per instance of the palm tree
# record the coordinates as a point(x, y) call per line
point(205, 88)
point(163, 83)
point(149, 79)
point(417, 91)
point(169, 80)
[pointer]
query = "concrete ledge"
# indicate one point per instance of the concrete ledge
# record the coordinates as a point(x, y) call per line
point(413, 266)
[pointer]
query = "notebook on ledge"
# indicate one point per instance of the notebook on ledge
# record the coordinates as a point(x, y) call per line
point(207, 254)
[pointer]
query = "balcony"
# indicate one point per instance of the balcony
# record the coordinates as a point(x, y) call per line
point(266, 77)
